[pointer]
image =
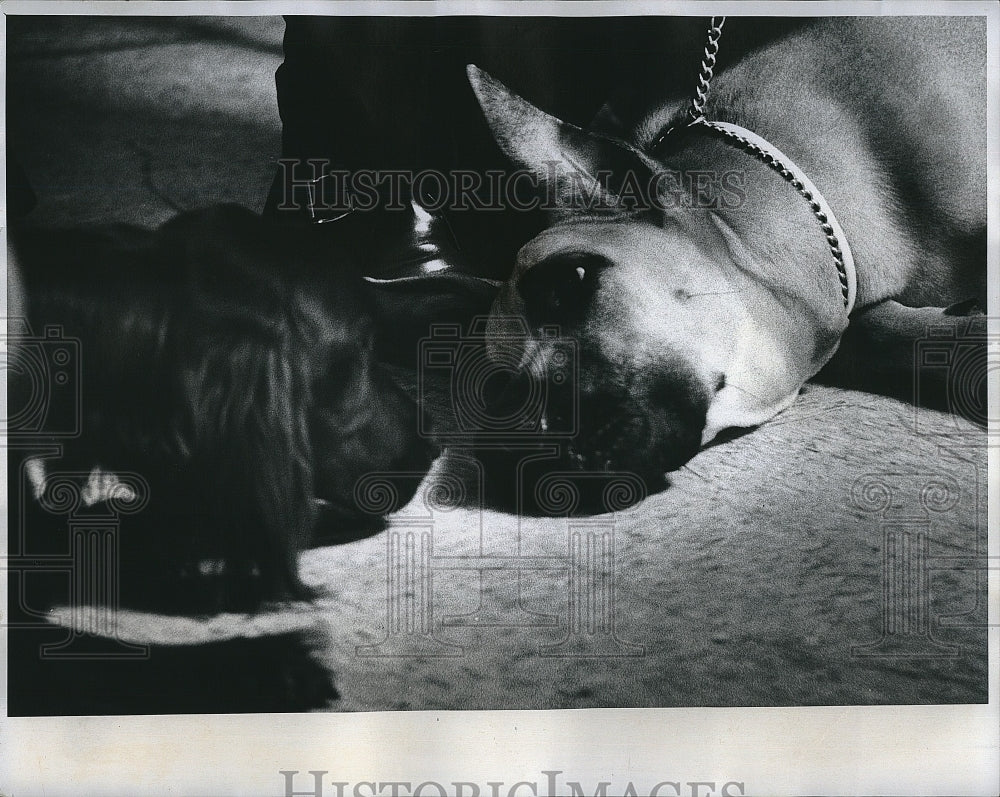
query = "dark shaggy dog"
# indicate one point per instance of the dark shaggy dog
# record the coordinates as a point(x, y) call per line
point(228, 363)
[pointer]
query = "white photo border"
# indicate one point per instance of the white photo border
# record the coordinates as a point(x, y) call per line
point(900, 750)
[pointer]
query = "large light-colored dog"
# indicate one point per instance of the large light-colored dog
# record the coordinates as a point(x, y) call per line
point(700, 312)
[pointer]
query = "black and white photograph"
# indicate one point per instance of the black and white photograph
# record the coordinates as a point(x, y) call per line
point(449, 358)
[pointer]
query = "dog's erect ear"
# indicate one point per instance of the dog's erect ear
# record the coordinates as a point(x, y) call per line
point(571, 165)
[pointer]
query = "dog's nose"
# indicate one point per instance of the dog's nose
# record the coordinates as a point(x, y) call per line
point(558, 289)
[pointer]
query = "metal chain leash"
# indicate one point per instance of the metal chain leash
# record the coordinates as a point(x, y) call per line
point(697, 109)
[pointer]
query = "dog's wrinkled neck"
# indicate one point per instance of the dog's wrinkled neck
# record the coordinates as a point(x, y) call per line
point(840, 250)
point(770, 234)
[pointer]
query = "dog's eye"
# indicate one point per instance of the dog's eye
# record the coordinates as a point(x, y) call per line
point(558, 289)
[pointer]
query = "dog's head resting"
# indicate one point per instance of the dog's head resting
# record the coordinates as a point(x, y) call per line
point(691, 312)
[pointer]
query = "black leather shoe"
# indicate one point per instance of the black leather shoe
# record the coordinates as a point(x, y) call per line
point(417, 270)
point(420, 278)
